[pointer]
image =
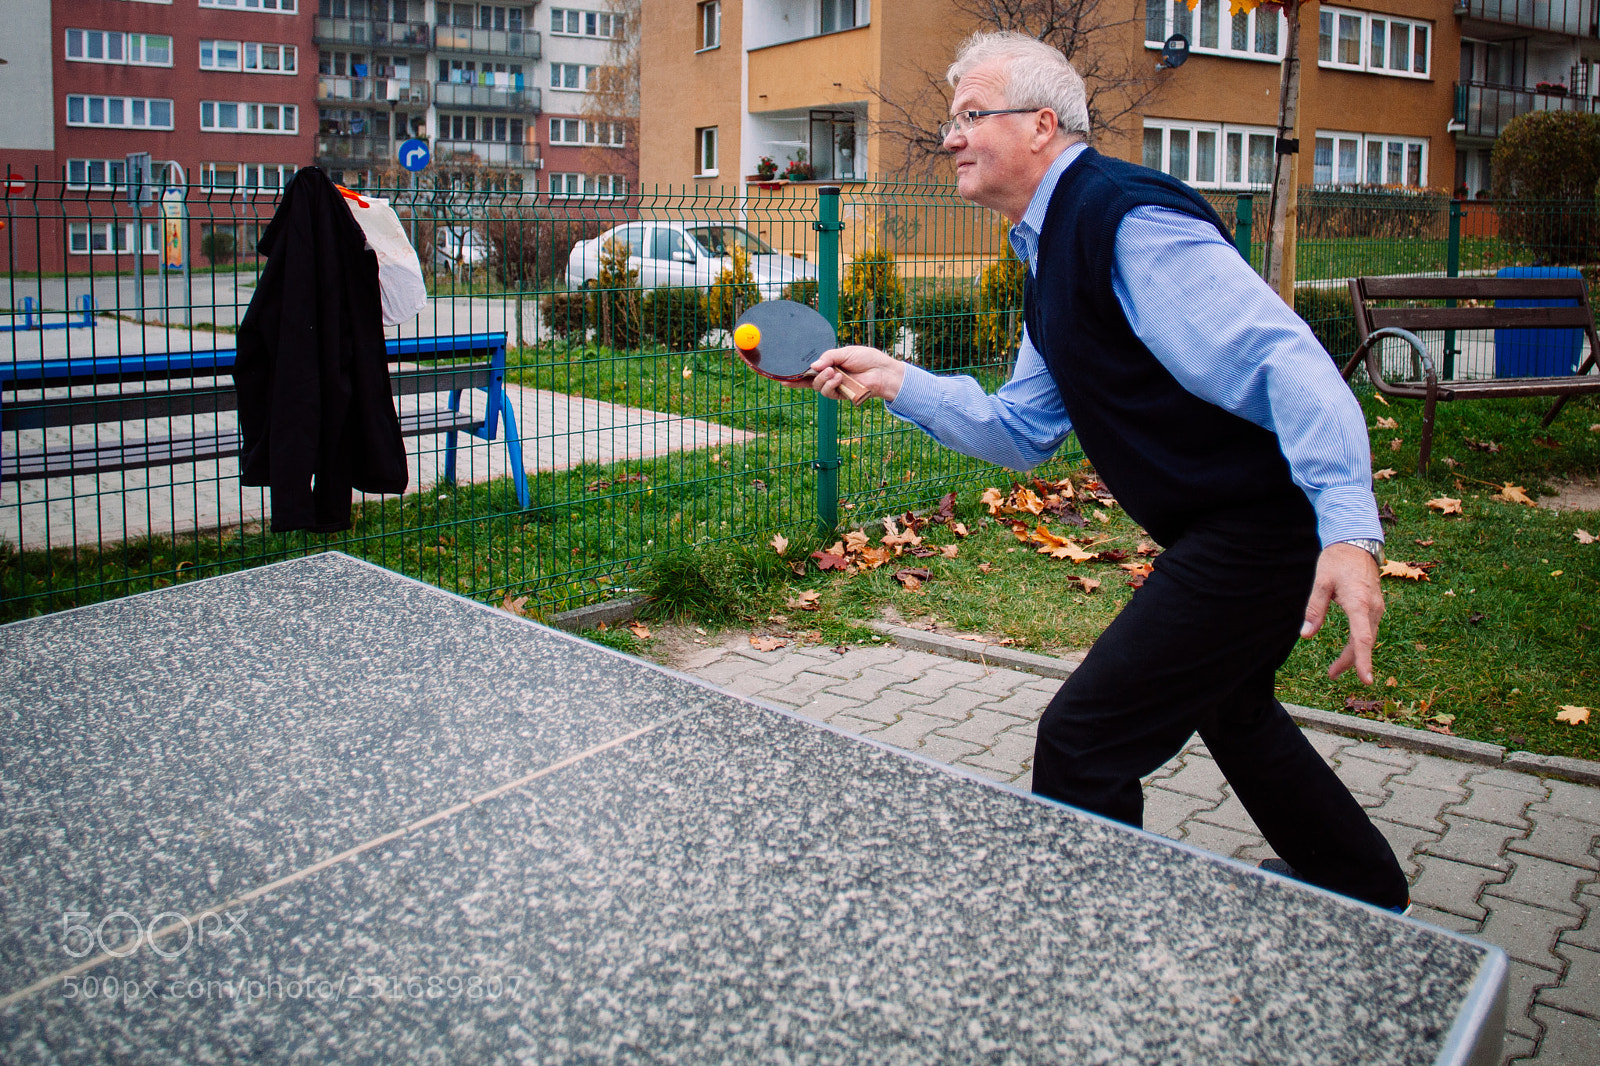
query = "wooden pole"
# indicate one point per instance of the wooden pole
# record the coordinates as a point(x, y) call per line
point(1282, 215)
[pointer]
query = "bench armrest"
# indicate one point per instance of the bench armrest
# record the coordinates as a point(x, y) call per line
point(1369, 350)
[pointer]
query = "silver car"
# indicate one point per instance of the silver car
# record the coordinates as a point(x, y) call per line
point(688, 254)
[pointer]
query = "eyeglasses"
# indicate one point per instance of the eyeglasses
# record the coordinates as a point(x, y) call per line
point(965, 120)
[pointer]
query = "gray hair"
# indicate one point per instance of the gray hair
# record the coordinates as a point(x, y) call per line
point(1037, 75)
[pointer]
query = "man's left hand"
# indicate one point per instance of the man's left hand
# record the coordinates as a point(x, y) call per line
point(1347, 575)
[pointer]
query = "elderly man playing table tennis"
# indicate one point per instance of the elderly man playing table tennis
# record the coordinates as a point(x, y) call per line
point(1221, 426)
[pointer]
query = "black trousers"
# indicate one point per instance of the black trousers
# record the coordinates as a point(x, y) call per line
point(1196, 650)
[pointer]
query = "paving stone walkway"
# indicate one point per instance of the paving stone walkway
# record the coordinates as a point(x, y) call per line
point(1506, 856)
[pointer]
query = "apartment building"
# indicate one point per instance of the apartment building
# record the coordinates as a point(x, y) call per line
point(214, 91)
point(1393, 92)
point(499, 91)
point(1516, 58)
point(726, 83)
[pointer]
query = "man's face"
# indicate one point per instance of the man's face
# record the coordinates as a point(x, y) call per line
point(994, 163)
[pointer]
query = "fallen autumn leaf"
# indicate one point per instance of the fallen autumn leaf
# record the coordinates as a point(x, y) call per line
point(1572, 715)
point(1510, 493)
point(1383, 475)
point(1396, 568)
point(640, 630)
point(1385, 422)
point(765, 643)
point(1583, 536)
point(1445, 505)
point(779, 543)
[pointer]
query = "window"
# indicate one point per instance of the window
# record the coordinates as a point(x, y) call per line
point(480, 128)
point(110, 238)
point(122, 112)
point(1210, 154)
point(1369, 159)
point(287, 6)
point(583, 131)
point(490, 17)
point(573, 76)
point(566, 22)
point(218, 116)
point(96, 173)
point(469, 72)
point(108, 46)
point(610, 185)
point(249, 56)
point(705, 160)
point(840, 15)
point(1211, 29)
point(245, 177)
point(566, 185)
point(711, 25)
point(1377, 44)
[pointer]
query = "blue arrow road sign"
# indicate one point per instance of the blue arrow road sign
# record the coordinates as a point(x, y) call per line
point(414, 154)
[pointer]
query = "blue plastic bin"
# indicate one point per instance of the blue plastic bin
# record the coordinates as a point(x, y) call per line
point(1536, 353)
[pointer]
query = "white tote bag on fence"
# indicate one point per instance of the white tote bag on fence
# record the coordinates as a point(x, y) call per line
point(399, 271)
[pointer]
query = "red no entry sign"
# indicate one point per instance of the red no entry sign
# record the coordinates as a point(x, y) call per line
point(16, 183)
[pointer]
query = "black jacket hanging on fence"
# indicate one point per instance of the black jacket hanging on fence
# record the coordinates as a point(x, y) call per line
point(312, 373)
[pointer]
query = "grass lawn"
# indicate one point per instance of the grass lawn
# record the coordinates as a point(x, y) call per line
point(1490, 646)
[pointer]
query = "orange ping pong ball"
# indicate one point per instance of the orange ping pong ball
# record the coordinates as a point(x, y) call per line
point(747, 337)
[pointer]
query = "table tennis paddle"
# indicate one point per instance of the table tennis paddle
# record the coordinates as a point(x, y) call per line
point(780, 339)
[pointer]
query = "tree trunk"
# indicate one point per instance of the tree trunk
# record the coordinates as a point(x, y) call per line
point(1282, 212)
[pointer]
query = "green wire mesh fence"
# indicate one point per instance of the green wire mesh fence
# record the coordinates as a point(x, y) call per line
point(640, 433)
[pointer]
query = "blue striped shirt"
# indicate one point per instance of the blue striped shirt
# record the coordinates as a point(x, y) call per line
point(1217, 328)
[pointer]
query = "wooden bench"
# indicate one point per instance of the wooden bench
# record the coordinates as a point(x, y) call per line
point(1377, 319)
point(26, 403)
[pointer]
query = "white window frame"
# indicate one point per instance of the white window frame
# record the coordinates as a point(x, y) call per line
point(80, 237)
point(578, 22)
point(247, 178)
point(566, 131)
point(1393, 164)
point(1224, 137)
point(276, 7)
point(574, 131)
point(132, 48)
point(248, 56)
point(128, 106)
point(566, 185)
point(252, 117)
point(609, 186)
point(215, 47)
point(588, 74)
point(113, 173)
point(705, 150)
point(1370, 25)
point(710, 23)
point(1178, 16)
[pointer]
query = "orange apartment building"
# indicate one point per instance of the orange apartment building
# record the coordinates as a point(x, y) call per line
point(1393, 92)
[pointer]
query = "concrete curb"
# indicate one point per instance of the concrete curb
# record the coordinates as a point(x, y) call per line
point(974, 652)
point(611, 612)
point(1582, 771)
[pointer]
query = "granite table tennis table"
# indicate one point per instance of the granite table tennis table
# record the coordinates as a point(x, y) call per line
point(320, 812)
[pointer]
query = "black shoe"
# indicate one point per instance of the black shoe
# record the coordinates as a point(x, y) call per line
point(1278, 866)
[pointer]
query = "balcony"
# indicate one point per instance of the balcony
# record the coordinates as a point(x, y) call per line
point(487, 42)
point(334, 147)
point(1573, 17)
point(1484, 110)
point(485, 153)
point(374, 91)
point(487, 97)
point(406, 36)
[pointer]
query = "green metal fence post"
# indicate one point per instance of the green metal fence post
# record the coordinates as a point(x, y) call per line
point(1241, 227)
point(826, 463)
point(1452, 268)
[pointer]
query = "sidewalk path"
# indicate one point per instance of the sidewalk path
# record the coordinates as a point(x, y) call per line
point(558, 432)
point(1505, 856)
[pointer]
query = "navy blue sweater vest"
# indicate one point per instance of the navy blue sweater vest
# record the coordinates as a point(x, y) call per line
point(1170, 457)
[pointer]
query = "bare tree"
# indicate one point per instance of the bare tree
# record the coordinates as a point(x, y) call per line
point(615, 100)
point(1090, 33)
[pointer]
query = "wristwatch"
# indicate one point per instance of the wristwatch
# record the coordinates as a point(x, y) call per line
point(1373, 548)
